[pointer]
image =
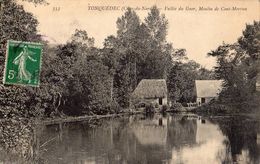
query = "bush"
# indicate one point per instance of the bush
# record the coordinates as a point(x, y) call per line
point(114, 107)
point(156, 105)
point(176, 107)
point(149, 108)
point(164, 108)
point(213, 108)
point(16, 137)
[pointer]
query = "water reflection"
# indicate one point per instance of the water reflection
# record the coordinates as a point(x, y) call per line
point(155, 139)
point(241, 142)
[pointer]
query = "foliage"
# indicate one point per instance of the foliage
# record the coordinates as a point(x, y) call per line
point(181, 80)
point(138, 51)
point(176, 107)
point(238, 65)
point(82, 80)
point(164, 108)
point(16, 138)
point(149, 108)
point(16, 24)
point(36, 2)
point(213, 108)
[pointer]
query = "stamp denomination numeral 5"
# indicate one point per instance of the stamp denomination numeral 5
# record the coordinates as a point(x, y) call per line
point(11, 74)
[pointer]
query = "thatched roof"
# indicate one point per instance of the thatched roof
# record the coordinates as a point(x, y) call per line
point(208, 88)
point(151, 88)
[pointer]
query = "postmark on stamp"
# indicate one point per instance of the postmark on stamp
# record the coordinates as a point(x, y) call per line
point(23, 63)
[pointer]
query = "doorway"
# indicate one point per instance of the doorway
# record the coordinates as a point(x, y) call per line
point(160, 101)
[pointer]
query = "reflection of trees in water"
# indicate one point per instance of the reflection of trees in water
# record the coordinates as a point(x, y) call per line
point(116, 141)
point(242, 137)
point(181, 132)
point(83, 142)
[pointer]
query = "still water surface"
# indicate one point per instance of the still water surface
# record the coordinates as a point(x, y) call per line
point(171, 139)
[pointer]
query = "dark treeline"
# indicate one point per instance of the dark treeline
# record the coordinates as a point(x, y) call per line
point(78, 78)
point(239, 66)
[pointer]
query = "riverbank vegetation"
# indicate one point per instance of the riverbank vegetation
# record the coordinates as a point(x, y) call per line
point(78, 78)
point(239, 66)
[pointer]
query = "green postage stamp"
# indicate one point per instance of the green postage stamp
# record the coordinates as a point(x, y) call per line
point(23, 63)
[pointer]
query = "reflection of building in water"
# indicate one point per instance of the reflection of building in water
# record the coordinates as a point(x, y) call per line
point(206, 144)
point(203, 132)
point(150, 141)
point(181, 132)
point(150, 132)
point(134, 140)
point(157, 140)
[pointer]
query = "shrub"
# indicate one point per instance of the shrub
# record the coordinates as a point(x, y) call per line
point(114, 107)
point(176, 107)
point(16, 137)
point(149, 108)
point(164, 108)
point(156, 105)
point(213, 108)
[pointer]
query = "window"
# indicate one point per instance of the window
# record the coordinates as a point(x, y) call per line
point(203, 100)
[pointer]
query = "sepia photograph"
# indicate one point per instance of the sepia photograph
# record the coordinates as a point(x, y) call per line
point(129, 82)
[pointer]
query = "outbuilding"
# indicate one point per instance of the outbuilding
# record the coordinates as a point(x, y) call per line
point(207, 90)
point(151, 90)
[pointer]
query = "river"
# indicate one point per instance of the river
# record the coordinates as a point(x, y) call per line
point(156, 139)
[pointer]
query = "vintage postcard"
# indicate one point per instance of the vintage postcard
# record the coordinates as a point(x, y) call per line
point(129, 81)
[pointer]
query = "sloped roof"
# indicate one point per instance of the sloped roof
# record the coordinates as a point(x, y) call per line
point(208, 88)
point(151, 88)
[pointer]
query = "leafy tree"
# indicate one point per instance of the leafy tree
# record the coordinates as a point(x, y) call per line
point(83, 81)
point(139, 51)
point(158, 54)
point(16, 24)
point(237, 87)
point(182, 75)
point(238, 65)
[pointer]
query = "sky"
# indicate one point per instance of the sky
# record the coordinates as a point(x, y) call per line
point(198, 31)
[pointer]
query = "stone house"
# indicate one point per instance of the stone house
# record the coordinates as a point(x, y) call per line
point(151, 91)
point(207, 90)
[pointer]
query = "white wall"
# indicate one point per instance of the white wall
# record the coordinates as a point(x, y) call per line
point(164, 102)
point(207, 100)
point(156, 101)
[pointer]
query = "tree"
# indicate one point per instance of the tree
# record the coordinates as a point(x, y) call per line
point(238, 65)
point(16, 24)
point(182, 75)
point(158, 54)
point(82, 80)
point(125, 52)
point(139, 50)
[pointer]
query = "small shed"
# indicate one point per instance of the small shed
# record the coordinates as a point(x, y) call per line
point(152, 90)
point(207, 90)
